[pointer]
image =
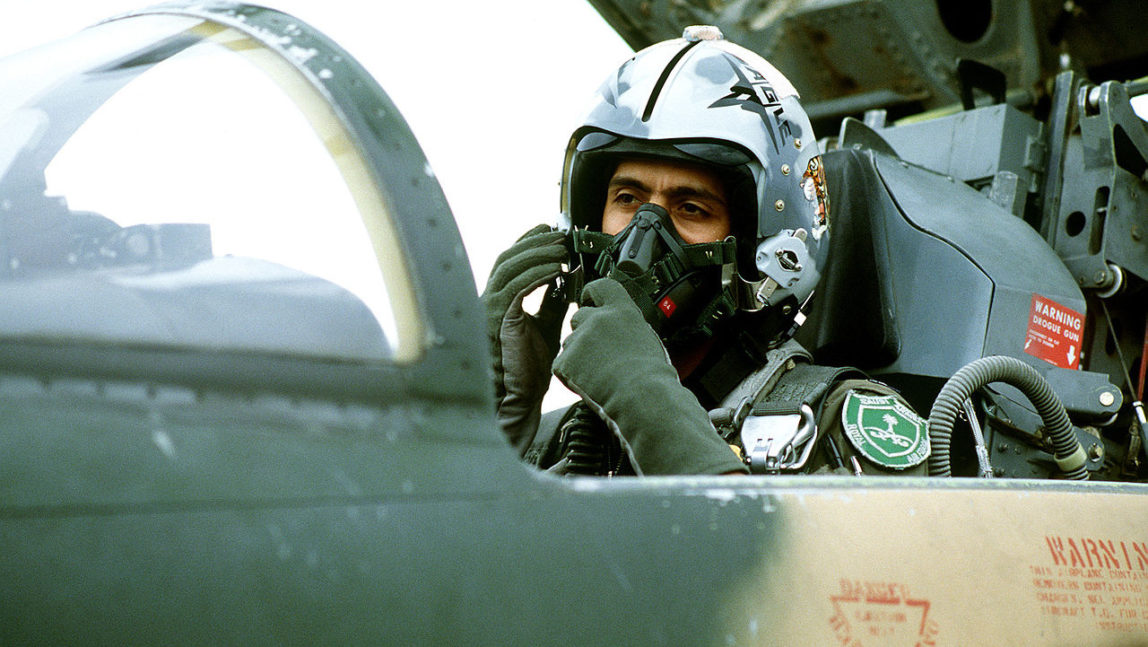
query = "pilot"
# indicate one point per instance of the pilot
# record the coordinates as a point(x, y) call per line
point(695, 225)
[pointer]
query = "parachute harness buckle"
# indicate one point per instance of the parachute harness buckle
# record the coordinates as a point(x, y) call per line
point(779, 442)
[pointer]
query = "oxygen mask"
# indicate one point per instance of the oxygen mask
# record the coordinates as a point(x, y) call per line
point(681, 288)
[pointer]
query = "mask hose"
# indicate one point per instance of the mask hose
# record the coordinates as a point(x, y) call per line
point(588, 444)
point(1068, 453)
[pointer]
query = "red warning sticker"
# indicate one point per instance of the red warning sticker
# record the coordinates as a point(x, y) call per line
point(667, 306)
point(867, 613)
point(1054, 333)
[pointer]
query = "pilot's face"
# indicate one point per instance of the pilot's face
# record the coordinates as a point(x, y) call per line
point(693, 195)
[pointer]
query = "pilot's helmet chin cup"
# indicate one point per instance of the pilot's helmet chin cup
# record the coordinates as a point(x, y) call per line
point(703, 100)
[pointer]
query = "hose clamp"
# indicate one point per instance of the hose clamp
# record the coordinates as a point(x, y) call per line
point(1076, 460)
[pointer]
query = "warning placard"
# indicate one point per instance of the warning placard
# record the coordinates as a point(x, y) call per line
point(1054, 333)
point(1095, 580)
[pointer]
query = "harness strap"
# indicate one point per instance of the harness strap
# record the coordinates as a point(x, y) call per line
point(772, 415)
point(764, 378)
point(805, 384)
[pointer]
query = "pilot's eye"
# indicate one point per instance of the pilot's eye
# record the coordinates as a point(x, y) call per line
point(693, 210)
point(626, 199)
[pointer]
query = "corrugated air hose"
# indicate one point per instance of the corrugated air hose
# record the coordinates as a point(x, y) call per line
point(1067, 451)
point(586, 438)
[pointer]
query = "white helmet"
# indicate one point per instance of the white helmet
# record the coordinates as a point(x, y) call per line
point(704, 100)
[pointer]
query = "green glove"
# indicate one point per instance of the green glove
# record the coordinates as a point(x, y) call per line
point(615, 361)
point(524, 345)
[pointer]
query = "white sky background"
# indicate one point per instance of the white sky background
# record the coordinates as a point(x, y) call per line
point(499, 87)
point(508, 81)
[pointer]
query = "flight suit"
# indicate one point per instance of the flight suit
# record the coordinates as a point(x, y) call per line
point(856, 426)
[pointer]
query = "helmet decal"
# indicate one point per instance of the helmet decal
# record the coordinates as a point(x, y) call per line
point(813, 185)
point(753, 92)
point(661, 82)
point(607, 90)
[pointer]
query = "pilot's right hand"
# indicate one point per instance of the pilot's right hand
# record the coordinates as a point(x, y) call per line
point(524, 345)
point(615, 361)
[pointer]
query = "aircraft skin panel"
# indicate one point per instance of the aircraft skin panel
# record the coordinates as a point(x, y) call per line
point(293, 521)
point(848, 56)
point(674, 561)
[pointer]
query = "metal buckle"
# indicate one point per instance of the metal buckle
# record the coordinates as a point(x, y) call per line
point(778, 443)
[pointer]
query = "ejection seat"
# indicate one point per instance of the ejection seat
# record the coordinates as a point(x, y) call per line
point(925, 274)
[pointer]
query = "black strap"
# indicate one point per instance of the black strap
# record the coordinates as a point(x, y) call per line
point(804, 384)
point(786, 382)
point(764, 378)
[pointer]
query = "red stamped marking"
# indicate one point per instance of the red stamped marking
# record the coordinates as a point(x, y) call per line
point(867, 612)
point(1094, 580)
point(1054, 333)
point(667, 306)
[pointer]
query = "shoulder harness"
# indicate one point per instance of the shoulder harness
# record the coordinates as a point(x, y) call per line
point(772, 415)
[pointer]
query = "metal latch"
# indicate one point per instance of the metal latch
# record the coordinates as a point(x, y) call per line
point(776, 443)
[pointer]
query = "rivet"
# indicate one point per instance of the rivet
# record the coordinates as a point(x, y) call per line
point(797, 143)
point(1106, 399)
point(785, 169)
point(779, 205)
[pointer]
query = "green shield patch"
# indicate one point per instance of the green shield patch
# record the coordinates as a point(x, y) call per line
point(885, 431)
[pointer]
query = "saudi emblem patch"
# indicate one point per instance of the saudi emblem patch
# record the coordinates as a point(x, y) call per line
point(885, 431)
